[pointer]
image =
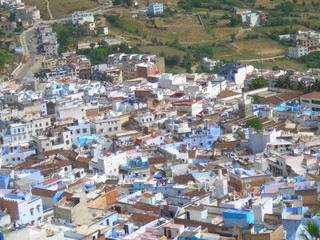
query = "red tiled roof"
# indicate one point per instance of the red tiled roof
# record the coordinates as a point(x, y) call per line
point(311, 95)
point(196, 192)
point(143, 218)
point(146, 207)
point(49, 181)
point(43, 192)
point(231, 144)
point(225, 94)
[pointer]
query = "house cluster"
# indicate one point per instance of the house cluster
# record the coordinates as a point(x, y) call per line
point(85, 21)
point(124, 150)
point(304, 41)
point(26, 15)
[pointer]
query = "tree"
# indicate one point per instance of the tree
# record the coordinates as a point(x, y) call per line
point(284, 82)
point(255, 123)
point(257, 99)
point(301, 86)
point(92, 45)
point(154, 41)
point(172, 61)
point(233, 37)
point(186, 63)
point(257, 83)
point(311, 231)
point(103, 44)
point(235, 20)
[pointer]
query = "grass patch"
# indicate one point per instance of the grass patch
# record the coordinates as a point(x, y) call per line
point(169, 51)
point(61, 8)
point(285, 63)
point(264, 46)
point(269, 30)
point(224, 33)
point(178, 20)
point(175, 70)
point(7, 58)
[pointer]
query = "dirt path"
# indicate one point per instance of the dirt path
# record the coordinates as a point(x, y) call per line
point(262, 59)
point(48, 9)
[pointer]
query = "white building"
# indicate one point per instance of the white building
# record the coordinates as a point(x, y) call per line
point(109, 126)
point(109, 165)
point(278, 164)
point(15, 154)
point(221, 185)
point(252, 19)
point(258, 140)
point(167, 81)
point(297, 51)
point(70, 109)
point(37, 125)
point(262, 206)
point(155, 8)
point(236, 72)
point(209, 64)
point(57, 139)
point(79, 130)
point(152, 139)
point(188, 106)
point(79, 17)
point(126, 106)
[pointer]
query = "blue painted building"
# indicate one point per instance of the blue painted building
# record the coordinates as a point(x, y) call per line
point(110, 220)
point(243, 217)
point(291, 220)
point(31, 174)
point(4, 181)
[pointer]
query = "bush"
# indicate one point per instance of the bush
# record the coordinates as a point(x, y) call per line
point(255, 123)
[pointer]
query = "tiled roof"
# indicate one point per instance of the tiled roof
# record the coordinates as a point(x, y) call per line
point(225, 94)
point(311, 95)
point(143, 218)
point(282, 97)
point(49, 181)
point(43, 192)
point(157, 160)
point(196, 192)
point(183, 179)
point(146, 207)
point(112, 196)
point(231, 144)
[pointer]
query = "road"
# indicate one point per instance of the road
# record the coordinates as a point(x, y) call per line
point(29, 45)
point(262, 59)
